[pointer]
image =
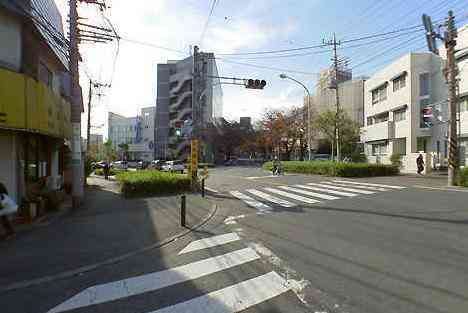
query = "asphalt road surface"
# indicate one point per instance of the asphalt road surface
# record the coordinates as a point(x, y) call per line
point(292, 243)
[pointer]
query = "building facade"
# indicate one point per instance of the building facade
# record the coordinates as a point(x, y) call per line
point(174, 105)
point(398, 105)
point(35, 126)
point(137, 132)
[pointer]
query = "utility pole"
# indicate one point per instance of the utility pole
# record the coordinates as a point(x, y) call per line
point(334, 85)
point(88, 128)
point(195, 115)
point(452, 82)
point(451, 73)
point(77, 164)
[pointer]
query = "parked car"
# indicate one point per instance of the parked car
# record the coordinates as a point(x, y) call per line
point(121, 165)
point(133, 163)
point(142, 165)
point(230, 162)
point(97, 165)
point(322, 157)
point(173, 166)
point(156, 164)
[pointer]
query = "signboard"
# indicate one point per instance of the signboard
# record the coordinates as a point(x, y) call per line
point(194, 158)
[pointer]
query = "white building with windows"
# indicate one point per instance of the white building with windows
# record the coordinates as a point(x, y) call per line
point(397, 102)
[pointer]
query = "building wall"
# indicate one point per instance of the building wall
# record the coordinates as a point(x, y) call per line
point(10, 37)
point(8, 163)
point(162, 110)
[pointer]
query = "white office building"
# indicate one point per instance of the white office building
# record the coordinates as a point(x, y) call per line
point(396, 102)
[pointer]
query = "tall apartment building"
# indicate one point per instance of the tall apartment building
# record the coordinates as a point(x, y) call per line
point(174, 105)
point(396, 116)
point(136, 131)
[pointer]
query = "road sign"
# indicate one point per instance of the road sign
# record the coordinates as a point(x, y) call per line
point(194, 158)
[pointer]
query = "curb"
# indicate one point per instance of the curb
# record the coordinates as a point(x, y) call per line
point(114, 260)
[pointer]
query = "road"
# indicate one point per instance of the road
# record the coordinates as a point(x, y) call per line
point(293, 243)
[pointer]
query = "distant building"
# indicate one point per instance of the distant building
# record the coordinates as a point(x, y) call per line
point(174, 105)
point(137, 132)
point(398, 101)
point(245, 122)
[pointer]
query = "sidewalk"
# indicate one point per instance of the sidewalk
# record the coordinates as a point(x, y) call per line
point(108, 226)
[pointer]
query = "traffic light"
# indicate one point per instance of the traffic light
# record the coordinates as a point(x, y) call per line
point(430, 35)
point(178, 128)
point(254, 83)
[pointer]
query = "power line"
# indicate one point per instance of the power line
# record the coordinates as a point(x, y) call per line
point(205, 27)
point(276, 69)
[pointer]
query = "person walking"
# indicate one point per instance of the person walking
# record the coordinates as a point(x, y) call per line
point(420, 163)
point(106, 170)
point(3, 214)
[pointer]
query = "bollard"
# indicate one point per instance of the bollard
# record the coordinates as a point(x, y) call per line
point(182, 210)
point(203, 188)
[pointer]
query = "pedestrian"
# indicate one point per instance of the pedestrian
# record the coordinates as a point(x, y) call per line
point(106, 170)
point(420, 163)
point(4, 199)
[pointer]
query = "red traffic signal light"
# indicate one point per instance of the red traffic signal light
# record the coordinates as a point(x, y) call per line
point(255, 84)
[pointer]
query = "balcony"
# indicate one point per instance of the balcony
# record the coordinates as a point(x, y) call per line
point(379, 131)
point(28, 105)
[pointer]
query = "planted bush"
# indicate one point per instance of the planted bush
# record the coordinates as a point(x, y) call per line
point(330, 168)
point(149, 183)
point(463, 177)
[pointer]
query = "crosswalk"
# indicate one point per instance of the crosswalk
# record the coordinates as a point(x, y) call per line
point(234, 297)
point(309, 193)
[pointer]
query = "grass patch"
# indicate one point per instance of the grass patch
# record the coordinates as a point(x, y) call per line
point(151, 183)
point(462, 179)
point(340, 169)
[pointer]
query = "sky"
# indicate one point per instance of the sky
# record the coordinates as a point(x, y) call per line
point(243, 26)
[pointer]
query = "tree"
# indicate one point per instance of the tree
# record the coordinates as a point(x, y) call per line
point(124, 150)
point(109, 151)
point(324, 123)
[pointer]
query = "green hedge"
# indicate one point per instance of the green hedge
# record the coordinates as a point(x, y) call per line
point(150, 183)
point(330, 168)
point(463, 177)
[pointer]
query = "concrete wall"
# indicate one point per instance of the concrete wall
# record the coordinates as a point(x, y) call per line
point(8, 163)
point(10, 39)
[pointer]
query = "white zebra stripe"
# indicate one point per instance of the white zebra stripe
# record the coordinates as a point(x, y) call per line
point(251, 201)
point(333, 192)
point(309, 193)
point(234, 298)
point(357, 186)
point(154, 281)
point(210, 242)
point(292, 196)
point(366, 192)
point(369, 184)
point(271, 198)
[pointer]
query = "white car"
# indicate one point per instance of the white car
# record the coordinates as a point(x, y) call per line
point(173, 166)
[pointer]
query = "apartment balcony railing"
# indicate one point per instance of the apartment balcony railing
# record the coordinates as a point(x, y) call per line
point(28, 105)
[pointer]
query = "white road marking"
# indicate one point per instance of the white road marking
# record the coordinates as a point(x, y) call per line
point(251, 201)
point(366, 192)
point(291, 195)
point(333, 192)
point(309, 193)
point(154, 281)
point(440, 188)
point(234, 298)
point(369, 184)
point(210, 242)
point(271, 198)
point(211, 190)
point(260, 177)
point(357, 186)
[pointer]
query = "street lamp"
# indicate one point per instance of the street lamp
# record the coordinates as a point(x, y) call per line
point(284, 76)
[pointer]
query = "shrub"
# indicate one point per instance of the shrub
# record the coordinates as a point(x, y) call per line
point(148, 183)
point(463, 177)
point(88, 166)
point(396, 160)
point(331, 168)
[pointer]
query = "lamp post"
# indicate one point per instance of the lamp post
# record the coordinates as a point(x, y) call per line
point(284, 76)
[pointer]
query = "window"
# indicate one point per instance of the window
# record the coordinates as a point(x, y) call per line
point(399, 82)
point(381, 118)
point(45, 75)
point(370, 120)
point(399, 115)
point(421, 144)
point(424, 84)
point(399, 146)
point(379, 94)
point(379, 149)
point(464, 104)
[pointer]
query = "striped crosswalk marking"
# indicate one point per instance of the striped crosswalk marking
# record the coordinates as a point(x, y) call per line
point(210, 242)
point(357, 186)
point(251, 201)
point(333, 192)
point(369, 184)
point(154, 281)
point(271, 198)
point(292, 196)
point(366, 192)
point(309, 193)
point(234, 298)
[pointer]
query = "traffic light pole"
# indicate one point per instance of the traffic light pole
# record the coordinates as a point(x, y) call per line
point(450, 44)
